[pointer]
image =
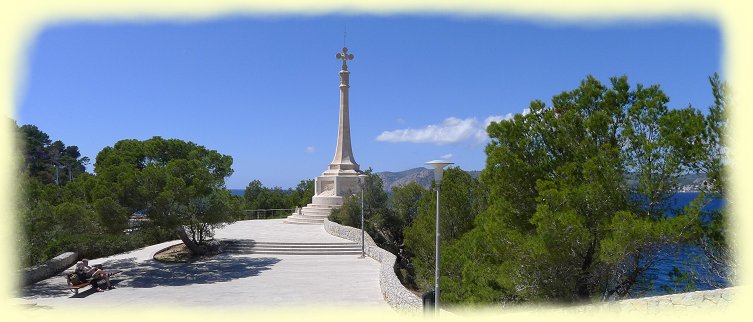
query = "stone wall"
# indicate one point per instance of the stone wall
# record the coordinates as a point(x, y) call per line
point(393, 291)
point(719, 298)
point(49, 268)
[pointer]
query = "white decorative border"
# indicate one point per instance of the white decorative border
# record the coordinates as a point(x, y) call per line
point(393, 291)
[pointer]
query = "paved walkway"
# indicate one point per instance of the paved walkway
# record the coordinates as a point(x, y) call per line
point(248, 280)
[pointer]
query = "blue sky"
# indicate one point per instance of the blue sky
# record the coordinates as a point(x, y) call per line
point(265, 89)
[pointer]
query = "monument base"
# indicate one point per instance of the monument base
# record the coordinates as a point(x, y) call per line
point(329, 192)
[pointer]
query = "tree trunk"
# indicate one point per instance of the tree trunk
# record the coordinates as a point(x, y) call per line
point(195, 248)
point(583, 288)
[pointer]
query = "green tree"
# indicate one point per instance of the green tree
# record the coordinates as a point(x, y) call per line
point(304, 191)
point(405, 202)
point(459, 205)
point(563, 222)
point(257, 196)
point(376, 210)
point(111, 214)
point(42, 156)
point(87, 215)
point(717, 238)
point(178, 185)
point(252, 193)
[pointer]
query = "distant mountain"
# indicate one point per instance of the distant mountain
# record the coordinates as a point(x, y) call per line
point(688, 182)
point(424, 177)
point(421, 176)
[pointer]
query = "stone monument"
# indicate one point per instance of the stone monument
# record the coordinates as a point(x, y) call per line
point(341, 177)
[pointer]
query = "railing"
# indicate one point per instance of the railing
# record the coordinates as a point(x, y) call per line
point(267, 213)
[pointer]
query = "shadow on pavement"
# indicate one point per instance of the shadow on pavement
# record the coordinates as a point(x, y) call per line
point(57, 286)
point(220, 268)
point(51, 287)
point(151, 273)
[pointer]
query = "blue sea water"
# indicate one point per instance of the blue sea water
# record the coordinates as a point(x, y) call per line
point(688, 258)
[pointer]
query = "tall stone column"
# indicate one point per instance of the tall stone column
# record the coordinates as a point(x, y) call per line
point(343, 162)
point(341, 177)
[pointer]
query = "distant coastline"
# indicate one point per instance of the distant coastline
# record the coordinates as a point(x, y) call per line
point(688, 183)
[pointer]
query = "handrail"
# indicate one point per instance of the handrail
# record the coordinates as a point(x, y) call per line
point(266, 213)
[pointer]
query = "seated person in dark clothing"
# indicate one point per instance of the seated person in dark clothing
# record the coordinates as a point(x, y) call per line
point(93, 274)
point(97, 273)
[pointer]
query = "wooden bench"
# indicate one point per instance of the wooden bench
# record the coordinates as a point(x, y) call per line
point(75, 287)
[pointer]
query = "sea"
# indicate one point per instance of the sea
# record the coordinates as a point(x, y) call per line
point(688, 258)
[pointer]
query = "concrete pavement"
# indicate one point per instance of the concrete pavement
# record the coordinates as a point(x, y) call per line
point(229, 279)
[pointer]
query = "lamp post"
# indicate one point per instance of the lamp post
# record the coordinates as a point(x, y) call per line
point(362, 181)
point(438, 166)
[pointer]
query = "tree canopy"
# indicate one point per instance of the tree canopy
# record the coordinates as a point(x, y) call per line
point(65, 216)
point(175, 183)
point(461, 200)
point(563, 222)
point(46, 160)
point(257, 196)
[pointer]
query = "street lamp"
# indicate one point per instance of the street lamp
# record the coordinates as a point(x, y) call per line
point(362, 181)
point(438, 166)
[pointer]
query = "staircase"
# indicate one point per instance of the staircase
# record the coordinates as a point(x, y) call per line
point(249, 246)
point(312, 214)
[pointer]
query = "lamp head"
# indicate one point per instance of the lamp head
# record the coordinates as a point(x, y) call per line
point(438, 166)
point(362, 178)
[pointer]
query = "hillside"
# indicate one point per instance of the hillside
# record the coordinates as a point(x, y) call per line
point(422, 176)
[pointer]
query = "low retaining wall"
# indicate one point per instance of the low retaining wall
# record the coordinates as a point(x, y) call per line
point(719, 298)
point(688, 302)
point(393, 291)
point(49, 268)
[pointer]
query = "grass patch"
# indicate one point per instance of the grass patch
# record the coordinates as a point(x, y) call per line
point(174, 254)
point(180, 253)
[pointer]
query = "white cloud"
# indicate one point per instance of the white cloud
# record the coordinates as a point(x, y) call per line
point(452, 130)
point(446, 156)
point(310, 149)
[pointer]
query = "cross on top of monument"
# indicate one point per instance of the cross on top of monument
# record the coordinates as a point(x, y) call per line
point(345, 57)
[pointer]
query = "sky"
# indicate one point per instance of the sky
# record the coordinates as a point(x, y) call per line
point(264, 90)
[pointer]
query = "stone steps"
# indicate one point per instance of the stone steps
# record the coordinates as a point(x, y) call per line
point(295, 219)
point(317, 208)
point(279, 248)
point(311, 214)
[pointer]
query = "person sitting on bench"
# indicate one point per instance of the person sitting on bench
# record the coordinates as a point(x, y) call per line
point(97, 273)
point(92, 274)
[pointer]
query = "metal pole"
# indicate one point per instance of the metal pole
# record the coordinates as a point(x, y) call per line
point(436, 256)
point(363, 247)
